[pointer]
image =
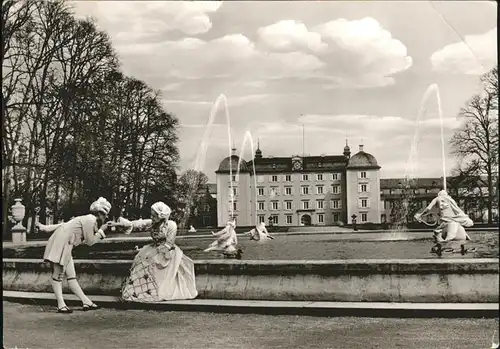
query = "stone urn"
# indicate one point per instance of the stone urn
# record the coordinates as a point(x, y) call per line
point(18, 231)
point(18, 211)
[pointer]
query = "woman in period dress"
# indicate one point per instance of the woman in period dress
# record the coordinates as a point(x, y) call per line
point(160, 270)
point(452, 220)
point(87, 229)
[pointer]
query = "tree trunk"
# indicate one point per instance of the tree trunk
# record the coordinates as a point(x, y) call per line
point(6, 202)
point(43, 199)
point(489, 203)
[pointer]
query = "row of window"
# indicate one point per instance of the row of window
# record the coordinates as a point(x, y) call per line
point(414, 191)
point(290, 205)
point(320, 218)
point(304, 190)
point(304, 177)
point(305, 205)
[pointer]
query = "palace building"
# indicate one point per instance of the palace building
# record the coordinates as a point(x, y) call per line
point(299, 190)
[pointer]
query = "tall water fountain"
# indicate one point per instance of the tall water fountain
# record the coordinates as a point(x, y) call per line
point(409, 183)
point(249, 140)
point(199, 162)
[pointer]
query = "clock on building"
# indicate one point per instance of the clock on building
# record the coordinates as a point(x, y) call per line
point(297, 165)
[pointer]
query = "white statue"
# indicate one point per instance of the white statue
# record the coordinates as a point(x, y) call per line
point(259, 233)
point(452, 220)
point(226, 239)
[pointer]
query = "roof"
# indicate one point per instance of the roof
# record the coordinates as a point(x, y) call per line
point(212, 188)
point(431, 183)
point(309, 164)
point(394, 183)
point(363, 160)
point(231, 163)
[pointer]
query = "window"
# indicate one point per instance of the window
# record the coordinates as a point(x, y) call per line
point(335, 217)
point(262, 205)
point(321, 218)
point(289, 219)
point(335, 176)
point(319, 176)
point(364, 203)
point(319, 204)
point(335, 189)
point(274, 205)
point(362, 174)
point(262, 219)
point(260, 191)
point(305, 190)
point(275, 191)
point(305, 205)
point(288, 205)
point(274, 178)
point(274, 219)
point(235, 206)
point(260, 179)
point(288, 178)
point(305, 177)
point(363, 188)
point(288, 190)
point(235, 191)
point(364, 217)
point(319, 189)
point(335, 204)
point(234, 179)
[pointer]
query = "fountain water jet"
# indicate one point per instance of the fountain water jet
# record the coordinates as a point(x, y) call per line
point(248, 139)
point(199, 163)
point(412, 162)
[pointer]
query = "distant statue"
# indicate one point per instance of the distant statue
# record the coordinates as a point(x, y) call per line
point(452, 220)
point(260, 233)
point(191, 229)
point(226, 241)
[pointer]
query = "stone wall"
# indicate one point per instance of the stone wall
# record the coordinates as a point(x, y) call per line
point(432, 281)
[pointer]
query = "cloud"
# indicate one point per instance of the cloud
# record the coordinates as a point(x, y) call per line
point(178, 101)
point(375, 123)
point(290, 35)
point(474, 55)
point(358, 53)
point(143, 20)
point(232, 55)
point(340, 53)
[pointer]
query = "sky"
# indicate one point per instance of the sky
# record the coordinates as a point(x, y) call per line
point(325, 70)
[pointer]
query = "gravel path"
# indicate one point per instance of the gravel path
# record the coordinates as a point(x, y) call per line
point(32, 326)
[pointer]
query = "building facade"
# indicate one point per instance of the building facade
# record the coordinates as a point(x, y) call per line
point(299, 190)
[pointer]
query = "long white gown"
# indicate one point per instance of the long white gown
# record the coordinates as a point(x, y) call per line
point(160, 271)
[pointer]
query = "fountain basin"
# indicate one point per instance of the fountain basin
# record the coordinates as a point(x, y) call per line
point(360, 280)
point(290, 247)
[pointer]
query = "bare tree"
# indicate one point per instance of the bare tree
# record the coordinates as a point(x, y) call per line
point(190, 188)
point(476, 142)
point(88, 129)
